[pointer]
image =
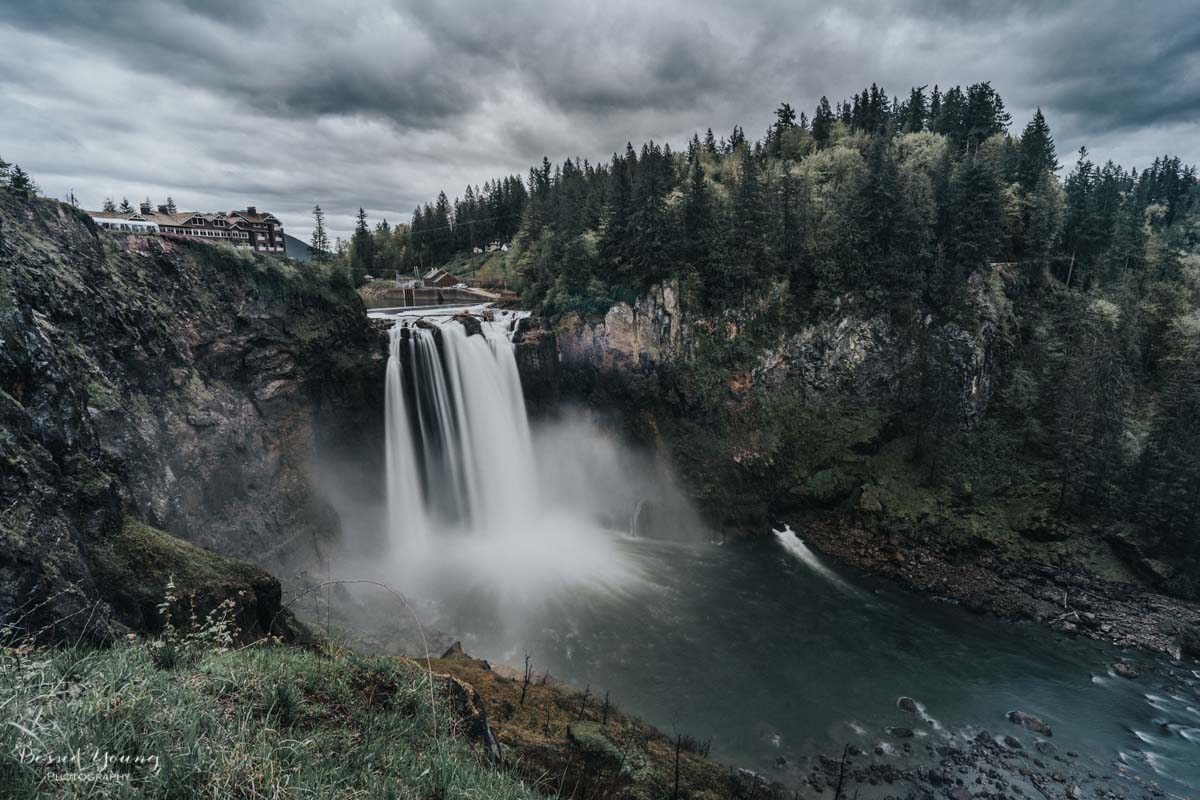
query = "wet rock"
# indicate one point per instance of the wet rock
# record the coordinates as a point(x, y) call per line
point(907, 704)
point(470, 323)
point(1027, 720)
point(1189, 640)
point(1014, 743)
point(1125, 670)
point(1046, 748)
point(901, 733)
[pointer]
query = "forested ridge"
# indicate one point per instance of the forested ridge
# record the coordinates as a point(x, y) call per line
point(891, 204)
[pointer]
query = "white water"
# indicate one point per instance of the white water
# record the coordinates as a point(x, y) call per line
point(792, 542)
point(467, 513)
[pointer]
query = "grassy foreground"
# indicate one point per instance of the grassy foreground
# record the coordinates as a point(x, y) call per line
point(269, 721)
point(193, 716)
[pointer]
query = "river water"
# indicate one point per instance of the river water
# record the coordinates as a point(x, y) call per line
point(770, 653)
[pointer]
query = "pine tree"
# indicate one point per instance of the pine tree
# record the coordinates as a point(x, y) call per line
point(710, 143)
point(109, 206)
point(1091, 394)
point(125, 208)
point(697, 218)
point(19, 182)
point(320, 239)
point(1037, 152)
point(822, 124)
point(915, 111)
point(1171, 484)
point(362, 249)
point(749, 229)
point(785, 118)
point(170, 205)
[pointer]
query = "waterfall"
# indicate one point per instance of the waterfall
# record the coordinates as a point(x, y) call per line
point(480, 513)
point(405, 509)
point(461, 456)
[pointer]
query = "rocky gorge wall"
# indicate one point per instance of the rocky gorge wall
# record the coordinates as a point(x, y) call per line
point(652, 360)
point(182, 386)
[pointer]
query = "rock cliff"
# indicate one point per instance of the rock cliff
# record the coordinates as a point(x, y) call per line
point(183, 385)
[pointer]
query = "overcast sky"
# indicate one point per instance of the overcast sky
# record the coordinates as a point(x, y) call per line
point(224, 103)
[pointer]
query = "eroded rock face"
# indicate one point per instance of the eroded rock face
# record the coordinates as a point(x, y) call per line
point(841, 356)
point(630, 338)
point(185, 386)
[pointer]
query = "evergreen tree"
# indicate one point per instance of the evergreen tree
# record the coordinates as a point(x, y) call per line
point(1170, 488)
point(697, 214)
point(1037, 152)
point(171, 205)
point(915, 111)
point(320, 239)
point(1091, 394)
point(710, 143)
point(109, 206)
point(822, 124)
point(749, 230)
point(362, 249)
point(125, 208)
point(785, 118)
point(1045, 209)
point(19, 182)
point(5, 172)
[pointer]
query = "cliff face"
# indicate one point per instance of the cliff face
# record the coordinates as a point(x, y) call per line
point(183, 385)
point(764, 418)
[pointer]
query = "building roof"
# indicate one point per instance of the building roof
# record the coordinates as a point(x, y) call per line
point(234, 218)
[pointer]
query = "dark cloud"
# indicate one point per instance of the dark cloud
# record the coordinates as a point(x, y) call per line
point(381, 104)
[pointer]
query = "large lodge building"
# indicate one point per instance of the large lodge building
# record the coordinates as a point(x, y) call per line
point(262, 232)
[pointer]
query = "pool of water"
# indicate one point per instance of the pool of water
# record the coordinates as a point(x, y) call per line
point(770, 653)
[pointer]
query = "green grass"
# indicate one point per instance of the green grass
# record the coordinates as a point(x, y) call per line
point(265, 722)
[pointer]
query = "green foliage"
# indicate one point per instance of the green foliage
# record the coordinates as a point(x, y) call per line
point(266, 721)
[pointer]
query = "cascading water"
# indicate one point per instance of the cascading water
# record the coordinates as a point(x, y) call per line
point(463, 498)
point(470, 457)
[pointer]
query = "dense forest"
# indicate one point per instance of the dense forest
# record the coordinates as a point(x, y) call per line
point(885, 203)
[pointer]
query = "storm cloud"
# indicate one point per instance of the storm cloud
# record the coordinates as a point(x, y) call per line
point(223, 103)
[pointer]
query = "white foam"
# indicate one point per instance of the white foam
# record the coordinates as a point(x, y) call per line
point(792, 542)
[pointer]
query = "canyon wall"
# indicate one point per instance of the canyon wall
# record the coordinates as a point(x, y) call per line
point(186, 387)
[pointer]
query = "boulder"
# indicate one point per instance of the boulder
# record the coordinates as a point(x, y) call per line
point(1026, 720)
point(470, 323)
point(907, 704)
point(1125, 670)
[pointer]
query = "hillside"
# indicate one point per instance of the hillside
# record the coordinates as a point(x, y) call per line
point(149, 382)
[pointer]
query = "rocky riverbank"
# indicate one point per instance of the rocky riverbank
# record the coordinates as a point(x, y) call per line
point(1065, 597)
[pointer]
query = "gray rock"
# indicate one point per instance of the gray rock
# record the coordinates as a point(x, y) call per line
point(1026, 720)
point(1045, 748)
point(1125, 670)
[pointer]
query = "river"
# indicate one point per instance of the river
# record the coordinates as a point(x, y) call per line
point(777, 658)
